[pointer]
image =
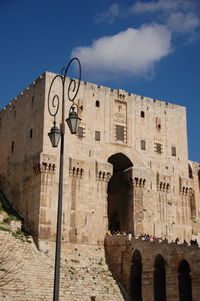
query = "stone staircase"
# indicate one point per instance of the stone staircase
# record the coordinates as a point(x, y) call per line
point(84, 273)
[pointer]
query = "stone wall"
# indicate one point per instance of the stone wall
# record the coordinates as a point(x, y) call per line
point(120, 251)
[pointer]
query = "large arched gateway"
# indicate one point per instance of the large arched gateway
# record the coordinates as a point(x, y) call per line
point(120, 194)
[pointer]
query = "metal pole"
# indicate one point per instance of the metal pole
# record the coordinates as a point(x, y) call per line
point(60, 197)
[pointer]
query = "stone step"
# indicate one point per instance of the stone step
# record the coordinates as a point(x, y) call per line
point(84, 273)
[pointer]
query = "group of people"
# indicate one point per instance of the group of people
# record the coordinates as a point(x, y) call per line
point(152, 238)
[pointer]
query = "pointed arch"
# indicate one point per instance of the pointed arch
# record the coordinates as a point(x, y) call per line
point(190, 172)
point(120, 162)
point(136, 277)
point(120, 196)
point(184, 281)
point(159, 279)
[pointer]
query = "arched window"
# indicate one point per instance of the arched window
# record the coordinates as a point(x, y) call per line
point(136, 277)
point(190, 173)
point(184, 281)
point(97, 103)
point(142, 114)
point(159, 279)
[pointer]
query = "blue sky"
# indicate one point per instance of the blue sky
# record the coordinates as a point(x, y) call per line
point(151, 48)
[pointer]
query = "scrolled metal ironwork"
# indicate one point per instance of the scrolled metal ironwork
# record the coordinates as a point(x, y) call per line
point(74, 85)
point(72, 91)
point(55, 97)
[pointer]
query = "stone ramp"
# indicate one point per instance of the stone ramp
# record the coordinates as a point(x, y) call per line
point(84, 273)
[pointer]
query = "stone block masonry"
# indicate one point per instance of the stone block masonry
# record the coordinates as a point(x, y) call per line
point(84, 273)
point(136, 261)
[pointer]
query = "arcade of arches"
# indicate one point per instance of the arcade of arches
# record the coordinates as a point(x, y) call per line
point(153, 271)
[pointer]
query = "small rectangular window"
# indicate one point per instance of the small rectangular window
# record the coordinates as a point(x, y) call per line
point(143, 145)
point(80, 132)
point(173, 151)
point(120, 133)
point(97, 135)
point(158, 148)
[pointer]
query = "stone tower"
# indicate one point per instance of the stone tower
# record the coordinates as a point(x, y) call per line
point(127, 169)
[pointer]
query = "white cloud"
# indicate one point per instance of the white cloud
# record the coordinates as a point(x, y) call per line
point(183, 23)
point(130, 52)
point(180, 16)
point(154, 6)
point(109, 15)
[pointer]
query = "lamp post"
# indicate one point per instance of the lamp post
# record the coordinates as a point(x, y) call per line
point(55, 136)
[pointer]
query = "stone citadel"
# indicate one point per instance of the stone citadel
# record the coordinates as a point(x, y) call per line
point(126, 170)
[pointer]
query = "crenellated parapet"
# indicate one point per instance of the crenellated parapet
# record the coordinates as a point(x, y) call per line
point(103, 171)
point(76, 168)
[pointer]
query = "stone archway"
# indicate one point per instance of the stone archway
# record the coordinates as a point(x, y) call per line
point(136, 277)
point(184, 281)
point(120, 194)
point(159, 279)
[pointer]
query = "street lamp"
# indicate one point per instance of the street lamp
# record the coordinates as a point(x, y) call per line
point(55, 136)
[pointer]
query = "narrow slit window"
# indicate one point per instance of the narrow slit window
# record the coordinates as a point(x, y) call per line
point(97, 136)
point(174, 151)
point(31, 133)
point(80, 132)
point(12, 146)
point(143, 145)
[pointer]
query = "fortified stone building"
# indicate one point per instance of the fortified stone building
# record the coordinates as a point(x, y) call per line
point(127, 169)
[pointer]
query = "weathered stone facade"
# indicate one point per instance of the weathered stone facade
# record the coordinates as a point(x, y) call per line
point(126, 170)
